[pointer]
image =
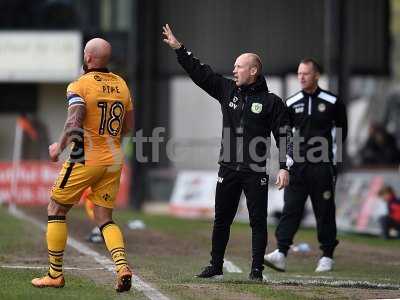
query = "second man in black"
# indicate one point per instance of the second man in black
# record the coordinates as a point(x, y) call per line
point(319, 121)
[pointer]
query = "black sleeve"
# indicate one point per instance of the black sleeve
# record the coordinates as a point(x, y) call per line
point(291, 115)
point(341, 118)
point(282, 131)
point(202, 75)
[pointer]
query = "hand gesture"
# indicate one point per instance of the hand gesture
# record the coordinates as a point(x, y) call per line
point(282, 180)
point(169, 38)
point(54, 151)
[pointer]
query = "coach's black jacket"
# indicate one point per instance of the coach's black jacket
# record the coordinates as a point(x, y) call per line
point(249, 113)
point(317, 115)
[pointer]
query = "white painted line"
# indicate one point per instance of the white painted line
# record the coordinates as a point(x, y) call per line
point(334, 283)
point(313, 277)
point(386, 299)
point(107, 263)
point(230, 267)
point(265, 278)
point(330, 281)
point(46, 267)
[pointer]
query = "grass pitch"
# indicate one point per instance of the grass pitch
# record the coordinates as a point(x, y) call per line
point(169, 251)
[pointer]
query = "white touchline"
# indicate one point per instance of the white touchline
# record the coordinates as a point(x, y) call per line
point(107, 263)
point(363, 284)
point(328, 281)
point(313, 277)
point(46, 267)
point(265, 277)
point(231, 267)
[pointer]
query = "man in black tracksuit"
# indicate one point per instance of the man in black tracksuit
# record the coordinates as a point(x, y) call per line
point(319, 120)
point(250, 112)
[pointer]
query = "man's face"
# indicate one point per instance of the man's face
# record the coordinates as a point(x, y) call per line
point(242, 71)
point(307, 76)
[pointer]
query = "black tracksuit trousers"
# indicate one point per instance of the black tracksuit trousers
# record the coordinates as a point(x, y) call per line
point(229, 189)
point(318, 182)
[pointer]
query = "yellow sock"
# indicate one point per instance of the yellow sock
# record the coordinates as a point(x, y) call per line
point(115, 244)
point(56, 241)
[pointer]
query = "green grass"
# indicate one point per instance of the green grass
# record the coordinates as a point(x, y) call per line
point(180, 271)
point(310, 235)
point(15, 284)
point(170, 251)
point(16, 237)
point(173, 274)
point(371, 241)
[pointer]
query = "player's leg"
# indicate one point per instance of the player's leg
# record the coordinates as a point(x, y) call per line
point(294, 198)
point(56, 236)
point(255, 188)
point(89, 205)
point(95, 234)
point(103, 196)
point(323, 202)
point(227, 198)
point(66, 191)
point(112, 234)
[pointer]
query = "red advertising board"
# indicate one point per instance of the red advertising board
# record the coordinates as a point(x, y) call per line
point(34, 180)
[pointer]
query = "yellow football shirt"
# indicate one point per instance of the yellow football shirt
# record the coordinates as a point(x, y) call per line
point(107, 100)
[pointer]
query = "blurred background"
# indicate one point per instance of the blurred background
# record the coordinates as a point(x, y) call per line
point(356, 41)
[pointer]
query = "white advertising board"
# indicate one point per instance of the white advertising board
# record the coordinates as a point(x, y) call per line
point(40, 56)
point(193, 194)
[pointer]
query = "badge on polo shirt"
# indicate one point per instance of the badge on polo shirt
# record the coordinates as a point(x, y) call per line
point(321, 107)
point(327, 195)
point(256, 108)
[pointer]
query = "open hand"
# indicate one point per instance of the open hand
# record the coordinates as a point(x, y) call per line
point(54, 151)
point(169, 38)
point(282, 179)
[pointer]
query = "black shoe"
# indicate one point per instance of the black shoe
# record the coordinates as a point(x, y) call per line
point(256, 275)
point(95, 238)
point(211, 272)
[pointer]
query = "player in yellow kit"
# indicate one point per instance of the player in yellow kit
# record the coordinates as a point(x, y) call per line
point(99, 114)
point(95, 234)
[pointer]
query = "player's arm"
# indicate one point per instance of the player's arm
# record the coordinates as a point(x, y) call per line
point(128, 122)
point(341, 118)
point(72, 130)
point(201, 74)
point(282, 132)
point(127, 126)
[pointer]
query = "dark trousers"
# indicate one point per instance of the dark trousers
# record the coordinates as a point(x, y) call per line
point(388, 223)
point(318, 182)
point(229, 188)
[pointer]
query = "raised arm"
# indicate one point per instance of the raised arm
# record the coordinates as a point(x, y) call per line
point(201, 74)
